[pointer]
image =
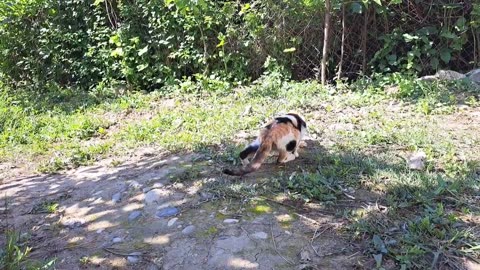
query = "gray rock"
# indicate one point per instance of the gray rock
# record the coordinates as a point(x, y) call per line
point(133, 259)
point(171, 222)
point(134, 215)
point(73, 223)
point(116, 240)
point(117, 197)
point(260, 235)
point(167, 212)
point(99, 231)
point(448, 75)
point(152, 196)
point(474, 75)
point(188, 230)
point(417, 161)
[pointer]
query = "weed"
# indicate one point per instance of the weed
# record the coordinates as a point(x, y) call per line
point(50, 207)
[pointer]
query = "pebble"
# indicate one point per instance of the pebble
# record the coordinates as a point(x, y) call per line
point(417, 161)
point(117, 240)
point(167, 212)
point(230, 221)
point(172, 221)
point(188, 230)
point(133, 259)
point(117, 197)
point(152, 196)
point(134, 215)
point(99, 231)
point(260, 235)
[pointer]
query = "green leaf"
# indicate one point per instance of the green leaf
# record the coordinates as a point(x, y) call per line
point(143, 51)
point(118, 52)
point(97, 2)
point(115, 39)
point(221, 43)
point(244, 9)
point(289, 50)
point(378, 260)
point(447, 34)
point(409, 37)
point(379, 2)
point(460, 24)
point(445, 55)
point(142, 67)
point(379, 245)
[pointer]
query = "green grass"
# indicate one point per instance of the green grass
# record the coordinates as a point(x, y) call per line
point(363, 135)
point(14, 254)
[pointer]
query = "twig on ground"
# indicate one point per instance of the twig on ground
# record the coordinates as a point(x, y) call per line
point(315, 236)
point(275, 246)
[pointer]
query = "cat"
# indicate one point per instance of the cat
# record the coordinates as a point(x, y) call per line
point(283, 134)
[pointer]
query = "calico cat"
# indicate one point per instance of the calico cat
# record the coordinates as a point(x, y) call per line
point(283, 134)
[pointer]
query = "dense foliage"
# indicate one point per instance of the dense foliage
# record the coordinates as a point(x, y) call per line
point(146, 44)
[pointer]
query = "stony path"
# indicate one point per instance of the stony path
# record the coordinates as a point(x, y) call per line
point(134, 217)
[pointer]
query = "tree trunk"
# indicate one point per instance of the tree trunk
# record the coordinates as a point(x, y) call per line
point(342, 48)
point(325, 42)
point(364, 42)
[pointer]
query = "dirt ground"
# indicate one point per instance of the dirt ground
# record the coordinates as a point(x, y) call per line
point(134, 216)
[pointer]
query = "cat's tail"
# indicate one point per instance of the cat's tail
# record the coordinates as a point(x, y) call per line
point(260, 156)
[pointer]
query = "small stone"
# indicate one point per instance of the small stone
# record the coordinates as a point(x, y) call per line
point(117, 197)
point(167, 212)
point(171, 222)
point(152, 196)
point(230, 221)
point(417, 161)
point(260, 235)
point(134, 215)
point(188, 230)
point(117, 240)
point(99, 231)
point(206, 195)
point(73, 223)
point(135, 185)
point(133, 259)
point(305, 256)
